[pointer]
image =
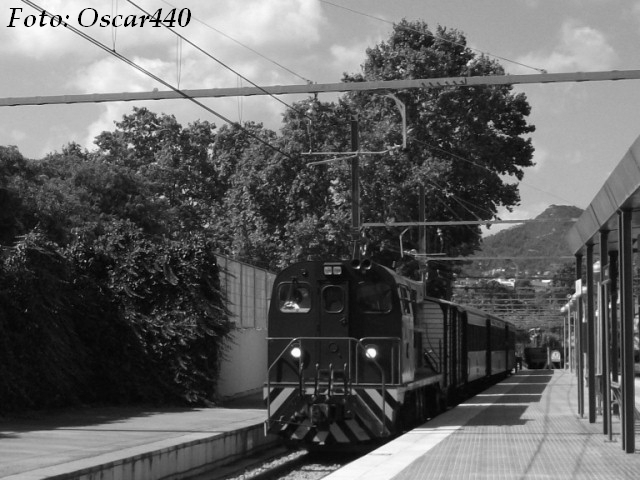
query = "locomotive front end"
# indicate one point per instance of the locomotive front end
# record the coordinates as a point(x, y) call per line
point(334, 355)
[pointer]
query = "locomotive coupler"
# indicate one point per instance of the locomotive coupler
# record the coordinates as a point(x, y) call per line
point(324, 414)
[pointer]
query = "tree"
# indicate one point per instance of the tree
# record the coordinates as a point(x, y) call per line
point(12, 164)
point(169, 293)
point(462, 145)
point(176, 163)
point(462, 142)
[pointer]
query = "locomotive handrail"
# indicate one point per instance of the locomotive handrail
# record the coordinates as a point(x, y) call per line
point(360, 344)
point(292, 341)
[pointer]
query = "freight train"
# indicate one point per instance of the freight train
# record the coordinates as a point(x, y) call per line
point(358, 354)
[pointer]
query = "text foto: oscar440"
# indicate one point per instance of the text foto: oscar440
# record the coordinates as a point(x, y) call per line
point(90, 17)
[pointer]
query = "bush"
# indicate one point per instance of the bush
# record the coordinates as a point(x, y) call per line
point(113, 318)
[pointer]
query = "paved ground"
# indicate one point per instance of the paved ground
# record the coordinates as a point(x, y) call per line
point(40, 440)
point(526, 427)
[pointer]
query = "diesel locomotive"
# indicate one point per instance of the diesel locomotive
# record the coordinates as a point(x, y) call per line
point(358, 354)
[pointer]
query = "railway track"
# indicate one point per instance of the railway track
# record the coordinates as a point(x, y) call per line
point(284, 464)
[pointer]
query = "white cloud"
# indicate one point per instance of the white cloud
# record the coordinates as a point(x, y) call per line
point(635, 10)
point(348, 58)
point(112, 75)
point(17, 135)
point(580, 48)
point(261, 23)
point(270, 27)
point(105, 122)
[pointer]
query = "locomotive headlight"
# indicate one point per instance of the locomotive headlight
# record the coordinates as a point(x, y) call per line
point(296, 352)
point(371, 351)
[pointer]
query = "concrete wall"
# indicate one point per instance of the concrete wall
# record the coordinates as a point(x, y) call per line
point(248, 289)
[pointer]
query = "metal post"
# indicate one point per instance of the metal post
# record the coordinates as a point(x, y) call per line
point(422, 229)
point(613, 292)
point(603, 309)
point(579, 340)
point(572, 339)
point(591, 338)
point(565, 337)
point(611, 332)
point(626, 309)
point(355, 189)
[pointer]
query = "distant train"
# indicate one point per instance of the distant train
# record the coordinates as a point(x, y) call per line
point(357, 354)
point(536, 357)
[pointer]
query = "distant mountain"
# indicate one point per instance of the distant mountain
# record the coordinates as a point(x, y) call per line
point(545, 238)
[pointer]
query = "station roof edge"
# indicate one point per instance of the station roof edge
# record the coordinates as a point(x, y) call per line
point(620, 191)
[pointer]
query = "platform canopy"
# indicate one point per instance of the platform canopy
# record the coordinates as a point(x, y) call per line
point(620, 192)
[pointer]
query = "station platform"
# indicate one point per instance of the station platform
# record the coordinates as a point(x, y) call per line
point(526, 427)
point(129, 443)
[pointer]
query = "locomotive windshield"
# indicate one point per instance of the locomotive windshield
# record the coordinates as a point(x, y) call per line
point(374, 297)
point(294, 297)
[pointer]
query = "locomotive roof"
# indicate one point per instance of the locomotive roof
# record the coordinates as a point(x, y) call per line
point(465, 308)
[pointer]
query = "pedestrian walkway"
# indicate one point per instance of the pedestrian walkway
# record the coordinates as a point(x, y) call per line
point(126, 442)
point(525, 427)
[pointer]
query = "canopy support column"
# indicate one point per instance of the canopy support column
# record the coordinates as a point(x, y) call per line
point(626, 309)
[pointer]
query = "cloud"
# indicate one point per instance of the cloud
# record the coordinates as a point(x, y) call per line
point(17, 135)
point(277, 21)
point(111, 75)
point(636, 11)
point(580, 48)
point(344, 58)
point(270, 27)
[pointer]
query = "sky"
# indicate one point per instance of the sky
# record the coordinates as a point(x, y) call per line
point(582, 129)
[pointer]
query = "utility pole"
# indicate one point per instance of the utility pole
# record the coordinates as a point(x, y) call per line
point(355, 189)
point(422, 229)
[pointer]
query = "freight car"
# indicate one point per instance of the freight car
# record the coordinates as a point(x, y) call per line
point(358, 354)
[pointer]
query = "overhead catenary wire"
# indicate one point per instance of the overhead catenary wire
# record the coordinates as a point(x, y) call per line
point(204, 52)
point(484, 167)
point(541, 70)
point(306, 80)
point(461, 201)
point(133, 64)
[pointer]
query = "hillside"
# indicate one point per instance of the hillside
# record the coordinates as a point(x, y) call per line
point(529, 292)
point(537, 239)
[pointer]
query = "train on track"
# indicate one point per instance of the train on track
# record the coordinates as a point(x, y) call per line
point(357, 354)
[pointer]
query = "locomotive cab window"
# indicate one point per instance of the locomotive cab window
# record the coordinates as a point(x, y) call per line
point(333, 299)
point(374, 297)
point(405, 299)
point(294, 297)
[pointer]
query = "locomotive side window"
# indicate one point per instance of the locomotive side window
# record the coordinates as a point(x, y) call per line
point(294, 297)
point(333, 299)
point(405, 299)
point(374, 297)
